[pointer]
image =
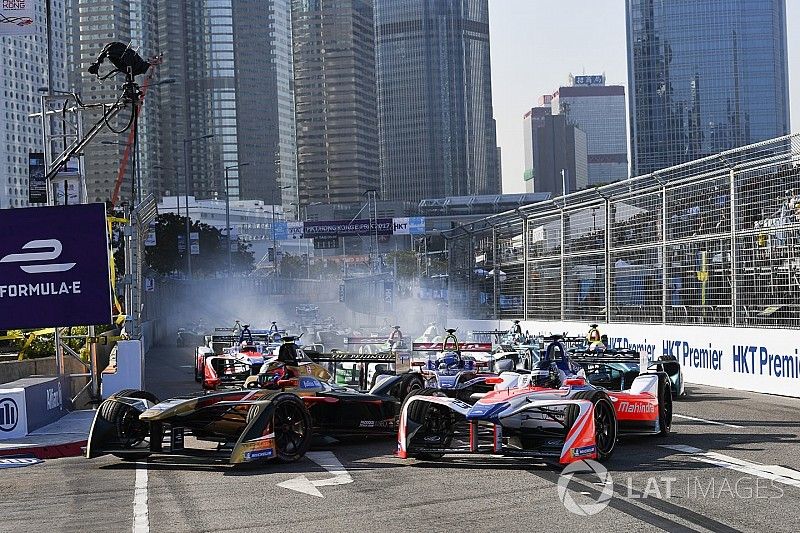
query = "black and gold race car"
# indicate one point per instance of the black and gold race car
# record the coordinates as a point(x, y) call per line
point(276, 419)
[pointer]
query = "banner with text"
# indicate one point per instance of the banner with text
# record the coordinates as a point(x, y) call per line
point(750, 359)
point(54, 267)
point(17, 17)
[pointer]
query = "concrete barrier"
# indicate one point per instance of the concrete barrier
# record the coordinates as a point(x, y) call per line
point(30, 403)
point(126, 371)
point(750, 359)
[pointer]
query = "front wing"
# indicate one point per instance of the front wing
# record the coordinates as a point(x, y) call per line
point(532, 429)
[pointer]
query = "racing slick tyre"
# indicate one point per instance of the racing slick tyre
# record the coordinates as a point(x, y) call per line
point(292, 425)
point(605, 421)
point(198, 376)
point(134, 393)
point(130, 431)
point(438, 423)
point(664, 404)
point(410, 383)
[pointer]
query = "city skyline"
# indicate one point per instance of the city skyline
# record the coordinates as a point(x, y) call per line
point(585, 38)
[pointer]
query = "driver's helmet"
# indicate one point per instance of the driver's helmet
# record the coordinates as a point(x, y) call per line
point(593, 335)
point(449, 360)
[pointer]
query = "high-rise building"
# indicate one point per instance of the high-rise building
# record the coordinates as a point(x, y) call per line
point(599, 110)
point(704, 77)
point(25, 69)
point(335, 100)
point(232, 62)
point(554, 146)
point(437, 134)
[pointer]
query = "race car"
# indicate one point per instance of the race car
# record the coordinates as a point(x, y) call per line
point(480, 352)
point(217, 366)
point(553, 413)
point(513, 344)
point(615, 368)
point(247, 426)
point(294, 361)
point(348, 372)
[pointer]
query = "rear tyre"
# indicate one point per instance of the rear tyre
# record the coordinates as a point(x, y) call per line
point(198, 374)
point(129, 430)
point(134, 393)
point(410, 383)
point(291, 422)
point(437, 423)
point(605, 421)
point(664, 404)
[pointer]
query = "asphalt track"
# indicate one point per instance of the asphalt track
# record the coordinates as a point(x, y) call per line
point(720, 480)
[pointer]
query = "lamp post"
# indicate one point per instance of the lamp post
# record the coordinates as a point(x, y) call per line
point(186, 192)
point(274, 238)
point(228, 212)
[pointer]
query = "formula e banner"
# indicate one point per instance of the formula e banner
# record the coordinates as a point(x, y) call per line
point(749, 359)
point(54, 267)
point(17, 17)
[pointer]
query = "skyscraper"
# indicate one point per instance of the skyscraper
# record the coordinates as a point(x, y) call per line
point(437, 135)
point(704, 77)
point(599, 110)
point(553, 145)
point(25, 69)
point(336, 109)
point(232, 61)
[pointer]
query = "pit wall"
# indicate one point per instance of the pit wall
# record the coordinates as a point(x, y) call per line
point(748, 359)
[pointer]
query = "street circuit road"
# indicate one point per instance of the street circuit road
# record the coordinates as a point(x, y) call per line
point(731, 464)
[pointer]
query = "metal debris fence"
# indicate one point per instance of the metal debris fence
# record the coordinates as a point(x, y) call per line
point(715, 241)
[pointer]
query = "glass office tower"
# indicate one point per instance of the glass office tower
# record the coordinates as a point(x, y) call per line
point(437, 134)
point(704, 76)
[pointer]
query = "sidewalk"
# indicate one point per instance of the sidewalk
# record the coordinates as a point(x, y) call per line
point(62, 438)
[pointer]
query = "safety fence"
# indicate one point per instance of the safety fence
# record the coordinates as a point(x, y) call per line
point(714, 241)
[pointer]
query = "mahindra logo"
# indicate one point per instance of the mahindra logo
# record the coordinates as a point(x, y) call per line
point(50, 250)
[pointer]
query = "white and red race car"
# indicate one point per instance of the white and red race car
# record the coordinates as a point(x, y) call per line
point(552, 413)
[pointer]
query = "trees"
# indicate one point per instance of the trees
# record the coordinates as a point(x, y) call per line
point(166, 259)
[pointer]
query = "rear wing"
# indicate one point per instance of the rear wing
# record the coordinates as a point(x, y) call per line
point(348, 357)
point(365, 340)
point(607, 356)
point(463, 346)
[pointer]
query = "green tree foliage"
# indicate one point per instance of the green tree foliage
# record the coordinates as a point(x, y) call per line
point(165, 258)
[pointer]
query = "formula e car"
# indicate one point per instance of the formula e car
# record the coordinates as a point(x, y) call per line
point(294, 362)
point(616, 368)
point(218, 365)
point(479, 352)
point(552, 414)
point(522, 348)
point(246, 425)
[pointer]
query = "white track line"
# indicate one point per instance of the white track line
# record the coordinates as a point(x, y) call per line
point(779, 474)
point(704, 421)
point(141, 520)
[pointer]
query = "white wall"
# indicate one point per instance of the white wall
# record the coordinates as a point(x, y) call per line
point(751, 359)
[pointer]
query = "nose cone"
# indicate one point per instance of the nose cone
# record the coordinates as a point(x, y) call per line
point(489, 412)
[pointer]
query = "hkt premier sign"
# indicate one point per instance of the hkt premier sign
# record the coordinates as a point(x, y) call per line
point(54, 267)
point(751, 359)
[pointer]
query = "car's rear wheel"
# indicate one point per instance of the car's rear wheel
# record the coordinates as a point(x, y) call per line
point(605, 421)
point(292, 425)
point(437, 424)
point(664, 404)
point(130, 432)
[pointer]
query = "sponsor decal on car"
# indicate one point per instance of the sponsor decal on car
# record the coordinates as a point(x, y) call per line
point(584, 451)
point(628, 407)
point(259, 454)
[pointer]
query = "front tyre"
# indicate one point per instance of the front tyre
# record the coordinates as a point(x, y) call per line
point(291, 423)
point(437, 424)
point(605, 421)
point(130, 432)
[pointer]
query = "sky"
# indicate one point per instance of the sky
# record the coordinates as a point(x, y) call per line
point(535, 44)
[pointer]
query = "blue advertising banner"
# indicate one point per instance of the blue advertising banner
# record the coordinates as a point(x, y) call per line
point(54, 267)
point(280, 230)
point(347, 228)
